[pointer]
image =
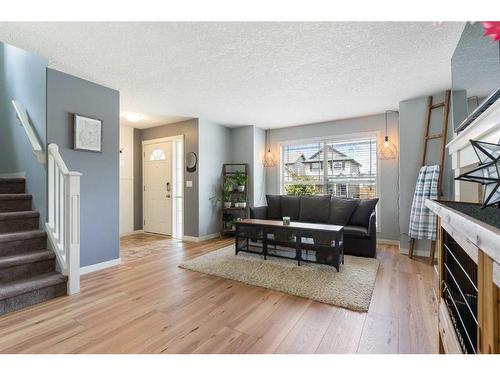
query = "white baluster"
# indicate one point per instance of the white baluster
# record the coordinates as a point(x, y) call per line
point(62, 188)
point(56, 204)
point(63, 227)
point(51, 190)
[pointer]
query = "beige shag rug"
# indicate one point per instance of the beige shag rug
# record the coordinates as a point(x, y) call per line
point(351, 288)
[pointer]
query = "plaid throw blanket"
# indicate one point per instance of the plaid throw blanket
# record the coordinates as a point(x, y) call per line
point(423, 220)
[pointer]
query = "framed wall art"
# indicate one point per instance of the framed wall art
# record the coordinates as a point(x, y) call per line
point(88, 134)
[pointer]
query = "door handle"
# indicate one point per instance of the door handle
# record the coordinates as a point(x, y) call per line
point(168, 186)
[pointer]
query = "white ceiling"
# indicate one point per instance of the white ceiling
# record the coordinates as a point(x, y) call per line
point(266, 74)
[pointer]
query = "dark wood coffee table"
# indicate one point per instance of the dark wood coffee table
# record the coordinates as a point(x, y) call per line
point(272, 238)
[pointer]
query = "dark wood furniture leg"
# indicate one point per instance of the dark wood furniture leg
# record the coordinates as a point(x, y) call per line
point(298, 247)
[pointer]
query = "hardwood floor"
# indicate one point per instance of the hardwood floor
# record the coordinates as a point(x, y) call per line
point(149, 305)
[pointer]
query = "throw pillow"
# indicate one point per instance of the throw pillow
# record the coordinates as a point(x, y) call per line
point(314, 208)
point(290, 206)
point(341, 210)
point(273, 207)
point(361, 215)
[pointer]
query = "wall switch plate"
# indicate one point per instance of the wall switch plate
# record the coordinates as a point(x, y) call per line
point(189, 183)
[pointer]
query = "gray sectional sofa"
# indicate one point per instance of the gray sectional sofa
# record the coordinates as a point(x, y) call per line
point(356, 215)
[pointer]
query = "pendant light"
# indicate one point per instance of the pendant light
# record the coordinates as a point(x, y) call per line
point(387, 149)
point(269, 160)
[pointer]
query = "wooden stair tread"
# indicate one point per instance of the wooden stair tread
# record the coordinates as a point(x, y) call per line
point(18, 287)
point(26, 258)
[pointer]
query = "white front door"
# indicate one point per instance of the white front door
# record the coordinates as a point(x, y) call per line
point(158, 188)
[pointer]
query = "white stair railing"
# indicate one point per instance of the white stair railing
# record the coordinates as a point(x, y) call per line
point(63, 227)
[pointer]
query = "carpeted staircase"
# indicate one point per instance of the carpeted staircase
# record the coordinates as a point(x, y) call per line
point(27, 269)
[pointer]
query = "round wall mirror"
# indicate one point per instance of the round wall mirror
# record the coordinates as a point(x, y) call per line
point(191, 161)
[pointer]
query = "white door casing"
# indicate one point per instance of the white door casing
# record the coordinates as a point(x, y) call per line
point(158, 187)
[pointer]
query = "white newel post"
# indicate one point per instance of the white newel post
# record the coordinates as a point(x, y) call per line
point(72, 230)
point(63, 227)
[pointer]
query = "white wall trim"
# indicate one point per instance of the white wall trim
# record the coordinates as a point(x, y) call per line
point(13, 175)
point(179, 137)
point(382, 241)
point(100, 266)
point(201, 238)
point(138, 231)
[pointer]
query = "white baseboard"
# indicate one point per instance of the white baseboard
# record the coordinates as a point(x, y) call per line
point(14, 175)
point(130, 233)
point(201, 238)
point(100, 266)
point(382, 241)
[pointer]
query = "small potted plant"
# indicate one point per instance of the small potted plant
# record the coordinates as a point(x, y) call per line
point(240, 178)
point(226, 193)
point(242, 203)
point(228, 188)
point(228, 221)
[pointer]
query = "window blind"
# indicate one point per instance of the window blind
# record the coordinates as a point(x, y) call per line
point(343, 168)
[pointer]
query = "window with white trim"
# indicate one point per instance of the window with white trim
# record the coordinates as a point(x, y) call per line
point(343, 168)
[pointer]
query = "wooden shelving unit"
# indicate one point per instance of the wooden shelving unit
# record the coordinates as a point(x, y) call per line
point(236, 196)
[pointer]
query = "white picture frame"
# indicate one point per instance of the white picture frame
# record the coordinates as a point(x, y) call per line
point(87, 134)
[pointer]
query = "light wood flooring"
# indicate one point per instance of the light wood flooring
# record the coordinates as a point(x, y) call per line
point(149, 305)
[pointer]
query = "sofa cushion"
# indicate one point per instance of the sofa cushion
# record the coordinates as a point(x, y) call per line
point(290, 206)
point(361, 215)
point(314, 208)
point(354, 231)
point(273, 206)
point(341, 210)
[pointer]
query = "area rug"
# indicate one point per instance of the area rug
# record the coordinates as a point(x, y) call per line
point(351, 288)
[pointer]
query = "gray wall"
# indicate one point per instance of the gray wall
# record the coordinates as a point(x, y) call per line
point(189, 129)
point(412, 116)
point(99, 225)
point(23, 77)
point(247, 146)
point(242, 151)
point(214, 150)
point(388, 189)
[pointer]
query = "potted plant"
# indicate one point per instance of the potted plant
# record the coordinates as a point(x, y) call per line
point(240, 178)
point(226, 192)
point(228, 188)
point(242, 203)
point(228, 221)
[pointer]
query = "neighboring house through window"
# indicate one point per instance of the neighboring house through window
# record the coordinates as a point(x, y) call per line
point(344, 168)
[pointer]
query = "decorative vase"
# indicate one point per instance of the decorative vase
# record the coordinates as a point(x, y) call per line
point(241, 188)
point(243, 204)
point(227, 204)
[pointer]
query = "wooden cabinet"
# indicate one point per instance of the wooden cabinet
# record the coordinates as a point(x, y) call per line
point(468, 285)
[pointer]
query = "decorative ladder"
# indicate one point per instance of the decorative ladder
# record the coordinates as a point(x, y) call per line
point(428, 137)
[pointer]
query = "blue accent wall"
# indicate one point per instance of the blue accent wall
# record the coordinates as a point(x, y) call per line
point(99, 187)
point(23, 78)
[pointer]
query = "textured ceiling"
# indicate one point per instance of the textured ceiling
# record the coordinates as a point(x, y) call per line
point(266, 74)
